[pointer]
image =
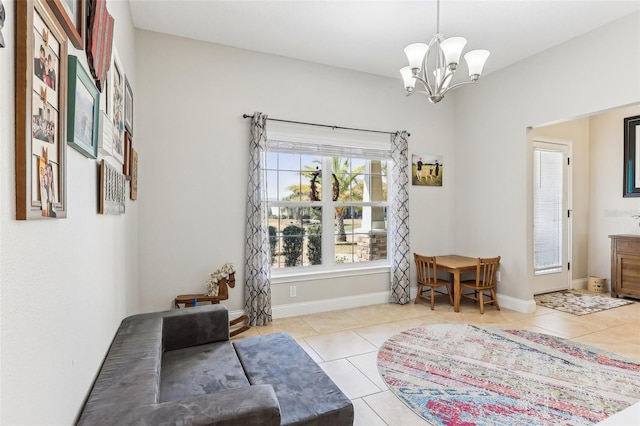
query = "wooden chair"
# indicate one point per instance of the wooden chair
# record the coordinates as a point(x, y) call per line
point(485, 281)
point(428, 277)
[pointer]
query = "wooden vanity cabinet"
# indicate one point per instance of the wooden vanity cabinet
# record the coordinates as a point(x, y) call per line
point(625, 265)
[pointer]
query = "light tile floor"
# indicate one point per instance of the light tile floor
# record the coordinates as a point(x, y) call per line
point(345, 343)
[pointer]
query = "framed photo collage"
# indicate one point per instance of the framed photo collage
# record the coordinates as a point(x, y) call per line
point(58, 102)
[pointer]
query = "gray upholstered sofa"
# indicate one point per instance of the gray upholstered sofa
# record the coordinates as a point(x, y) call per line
point(179, 367)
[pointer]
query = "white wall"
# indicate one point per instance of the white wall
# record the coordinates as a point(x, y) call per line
point(193, 183)
point(610, 212)
point(493, 191)
point(65, 284)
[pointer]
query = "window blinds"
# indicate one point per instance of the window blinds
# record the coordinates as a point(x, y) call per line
point(547, 211)
point(294, 138)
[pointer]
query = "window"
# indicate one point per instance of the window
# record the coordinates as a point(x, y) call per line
point(548, 211)
point(326, 210)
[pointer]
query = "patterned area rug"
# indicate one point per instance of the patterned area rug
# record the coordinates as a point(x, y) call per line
point(461, 374)
point(577, 303)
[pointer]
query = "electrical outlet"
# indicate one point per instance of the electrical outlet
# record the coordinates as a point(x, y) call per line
point(292, 291)
point(498, 276)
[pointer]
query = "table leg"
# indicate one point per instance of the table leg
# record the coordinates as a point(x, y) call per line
point(456, 291)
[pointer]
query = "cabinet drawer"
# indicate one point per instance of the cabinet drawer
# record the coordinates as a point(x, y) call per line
point(631, 247)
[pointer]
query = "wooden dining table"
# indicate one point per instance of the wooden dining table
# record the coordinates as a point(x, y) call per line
point(456, 265)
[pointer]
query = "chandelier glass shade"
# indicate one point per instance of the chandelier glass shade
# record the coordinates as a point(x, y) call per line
point(434, 64)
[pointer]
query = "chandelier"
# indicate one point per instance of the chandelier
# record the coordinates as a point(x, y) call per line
point(435, 63)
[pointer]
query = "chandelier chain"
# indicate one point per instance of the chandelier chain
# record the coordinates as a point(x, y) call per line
point(438, 17)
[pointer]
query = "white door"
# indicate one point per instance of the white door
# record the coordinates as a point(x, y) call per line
point(551, 216)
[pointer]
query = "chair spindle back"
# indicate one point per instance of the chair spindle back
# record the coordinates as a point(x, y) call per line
point(426, 266)
point(486, 271)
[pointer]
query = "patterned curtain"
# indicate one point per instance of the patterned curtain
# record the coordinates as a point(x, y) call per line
point(400, 260)
point(257, 304)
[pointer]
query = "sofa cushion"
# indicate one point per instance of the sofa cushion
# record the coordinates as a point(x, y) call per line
point(253, 405)
point(129, 373)
point(307, 396)
point(200, 370)
point(202, 325)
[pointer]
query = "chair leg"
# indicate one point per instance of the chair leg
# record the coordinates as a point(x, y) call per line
point(495, 298)
point(481, 299)
point(450, 294)
point(419, 293)
point(433, 298)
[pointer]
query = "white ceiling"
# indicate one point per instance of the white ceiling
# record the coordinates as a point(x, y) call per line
point(370, 36)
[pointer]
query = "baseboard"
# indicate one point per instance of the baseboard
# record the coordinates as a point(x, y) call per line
point(580, 284)
point(519, 305)
point(326, 305)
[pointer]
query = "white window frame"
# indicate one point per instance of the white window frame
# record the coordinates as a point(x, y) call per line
point(328, 227)
point(329, 143)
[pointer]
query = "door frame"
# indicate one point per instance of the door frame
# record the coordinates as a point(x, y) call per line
point(569, 207)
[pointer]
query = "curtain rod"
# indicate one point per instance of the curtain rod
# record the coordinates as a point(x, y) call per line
point(324, 125)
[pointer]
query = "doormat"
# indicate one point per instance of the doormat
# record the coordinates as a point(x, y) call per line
point(576, 303)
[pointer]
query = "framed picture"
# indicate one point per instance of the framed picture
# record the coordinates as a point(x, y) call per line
point(84, 110)
point(134, 174)
point(112, 189)
point(99, 40)
point(105, 134)
point(426, 170)
point(107, 96)
point(117, 107)
point(128, 107)
point(631, 157)
point(2, 16)
point(70, 14)
point(41, 113)
point(126, 166)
